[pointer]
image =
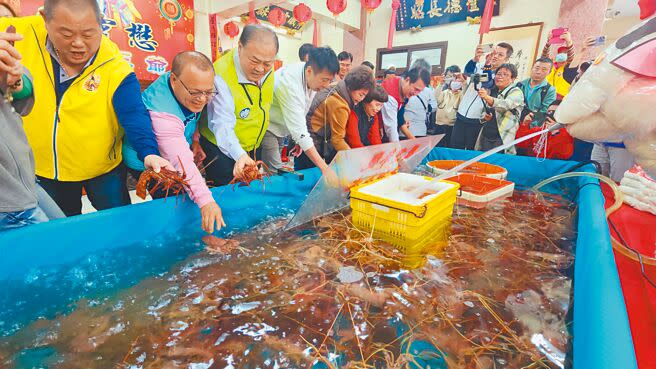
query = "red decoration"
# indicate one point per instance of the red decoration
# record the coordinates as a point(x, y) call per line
point(277, 17)
point(172, 37)
point(486, 18)
point(315, 33)
point(371, 5)
point(231, 29)
point(396, 4)
point(252, 19)
point(336, 6)
point(214, 36)
point(647, 8)
point(302, 13)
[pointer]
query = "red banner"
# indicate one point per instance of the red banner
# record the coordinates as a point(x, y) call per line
point(148, 32)
point(214, 37)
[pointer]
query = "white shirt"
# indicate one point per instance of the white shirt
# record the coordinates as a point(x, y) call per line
point(291, 102)
point(221, 113)
point(416, 112)
point(390, 120)
point(471, 106)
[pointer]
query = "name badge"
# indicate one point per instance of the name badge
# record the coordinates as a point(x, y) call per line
point(92, 83)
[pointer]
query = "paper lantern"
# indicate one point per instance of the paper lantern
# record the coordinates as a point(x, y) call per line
point(336, 6)
point(231, 29)
point(302, 13)
point(371, 5)
point(277, 17)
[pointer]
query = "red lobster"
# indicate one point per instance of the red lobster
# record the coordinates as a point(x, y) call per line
point(166, 180)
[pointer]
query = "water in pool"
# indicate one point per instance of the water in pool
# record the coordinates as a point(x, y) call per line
point(496, 294)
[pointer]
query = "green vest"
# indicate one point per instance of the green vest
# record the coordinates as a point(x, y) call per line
point(252, 104)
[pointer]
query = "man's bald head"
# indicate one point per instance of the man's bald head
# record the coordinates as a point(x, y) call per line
point(258, 47)
point(190, 58)
point(192, 80)
point(259, 34)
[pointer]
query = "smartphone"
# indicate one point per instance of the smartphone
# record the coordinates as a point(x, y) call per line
point(487, 48)
point(597, 41)
point(539, 117)
point(555, 35)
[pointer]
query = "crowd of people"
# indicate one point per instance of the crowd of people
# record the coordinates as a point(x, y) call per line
point(86, 124)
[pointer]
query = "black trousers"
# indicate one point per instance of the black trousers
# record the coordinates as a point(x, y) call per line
point(105, 192)
point(446, 131)
point(304, 162)
point(465, 133)
point(158, 194)
point(219, 172)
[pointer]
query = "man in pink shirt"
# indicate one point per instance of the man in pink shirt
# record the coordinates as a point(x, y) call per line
point(174, 102)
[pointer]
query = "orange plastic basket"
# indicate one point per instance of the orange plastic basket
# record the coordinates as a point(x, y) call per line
point(477, 190)
point(485, 169)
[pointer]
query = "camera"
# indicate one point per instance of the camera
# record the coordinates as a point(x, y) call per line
point(479, 78)
point(539, 117)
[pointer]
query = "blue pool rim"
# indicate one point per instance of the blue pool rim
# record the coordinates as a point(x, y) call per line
point(602, 336)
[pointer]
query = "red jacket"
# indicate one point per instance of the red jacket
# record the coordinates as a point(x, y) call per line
point(559, 145)
point(353, 131)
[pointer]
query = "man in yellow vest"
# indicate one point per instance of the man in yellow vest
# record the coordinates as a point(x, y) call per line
point(86, 99)
point(238, 116)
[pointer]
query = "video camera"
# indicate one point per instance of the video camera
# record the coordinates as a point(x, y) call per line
point(478, 79)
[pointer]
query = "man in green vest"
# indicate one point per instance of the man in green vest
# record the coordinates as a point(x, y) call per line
point(238, 116)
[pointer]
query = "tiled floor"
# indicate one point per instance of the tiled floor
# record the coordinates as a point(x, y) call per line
point(87, 208)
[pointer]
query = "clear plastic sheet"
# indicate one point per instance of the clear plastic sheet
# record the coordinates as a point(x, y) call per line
point(357, 165)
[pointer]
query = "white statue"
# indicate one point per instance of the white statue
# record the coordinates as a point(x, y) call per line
point(615, 100)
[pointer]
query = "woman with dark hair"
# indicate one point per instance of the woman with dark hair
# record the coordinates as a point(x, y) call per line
point(329, 112)
point(503, 106)
point(363, 127)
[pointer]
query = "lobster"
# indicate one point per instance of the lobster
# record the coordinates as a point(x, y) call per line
point(252, 172)
point(166, 180)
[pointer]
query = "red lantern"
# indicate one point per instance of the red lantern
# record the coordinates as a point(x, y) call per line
point(371, 5)
point(231, 29)
point(302, 13)
point(336, 6)
point(277, 17)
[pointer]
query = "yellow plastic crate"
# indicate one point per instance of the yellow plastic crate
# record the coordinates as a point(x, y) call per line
point(387, 209)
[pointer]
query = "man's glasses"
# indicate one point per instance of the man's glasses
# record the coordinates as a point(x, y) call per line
point(198, 94)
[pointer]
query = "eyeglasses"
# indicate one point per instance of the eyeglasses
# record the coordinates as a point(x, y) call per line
point(198, 94)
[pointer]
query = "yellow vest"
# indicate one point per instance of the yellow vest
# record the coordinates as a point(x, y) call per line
point(81, 138)
point(252, 104)
point(557, 79)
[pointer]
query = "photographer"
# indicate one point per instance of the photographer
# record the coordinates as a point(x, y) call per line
point(559, 144)
point(562, 74)
point(538, 93)
point(471, 108)
point(503, 105)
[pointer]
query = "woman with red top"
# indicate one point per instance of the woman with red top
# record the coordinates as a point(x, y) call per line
point(363, 127)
